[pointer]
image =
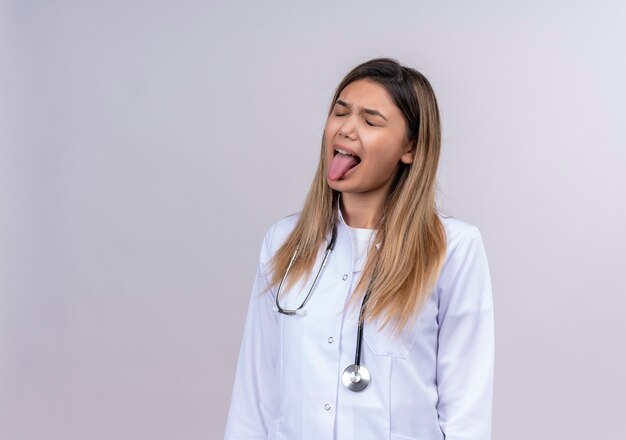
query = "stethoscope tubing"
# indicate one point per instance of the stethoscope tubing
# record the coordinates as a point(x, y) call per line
point(355, 377)
point(359, 333)
point(329, 248)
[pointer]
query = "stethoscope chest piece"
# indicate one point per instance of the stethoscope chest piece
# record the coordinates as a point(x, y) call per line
point(356, 377)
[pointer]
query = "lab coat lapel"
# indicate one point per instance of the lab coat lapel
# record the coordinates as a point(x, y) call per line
point(359, 265)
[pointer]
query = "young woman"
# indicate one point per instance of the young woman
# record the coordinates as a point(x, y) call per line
point(371, 314)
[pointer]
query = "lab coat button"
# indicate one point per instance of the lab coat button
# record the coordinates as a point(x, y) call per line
point(331, 340)
point(345, 276)
point(327, 407)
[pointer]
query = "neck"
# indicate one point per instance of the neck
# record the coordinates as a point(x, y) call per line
point(361, 212)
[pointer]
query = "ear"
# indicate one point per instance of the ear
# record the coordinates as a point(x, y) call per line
point(409, 154)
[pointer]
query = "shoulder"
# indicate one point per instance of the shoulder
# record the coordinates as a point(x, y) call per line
point(279, 231)
point(464, 242)
point(464, 282)
point(457, 231)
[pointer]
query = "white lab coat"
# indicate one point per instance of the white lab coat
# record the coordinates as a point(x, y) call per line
point(433, 383)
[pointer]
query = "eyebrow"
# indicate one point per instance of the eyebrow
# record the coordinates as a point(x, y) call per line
point(369, 111)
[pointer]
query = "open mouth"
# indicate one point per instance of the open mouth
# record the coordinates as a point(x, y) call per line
point(343, 162)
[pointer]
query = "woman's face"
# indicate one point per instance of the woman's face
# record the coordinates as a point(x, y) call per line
point(365, 140)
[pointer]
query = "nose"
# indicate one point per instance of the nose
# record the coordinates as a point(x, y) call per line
point(347, 129)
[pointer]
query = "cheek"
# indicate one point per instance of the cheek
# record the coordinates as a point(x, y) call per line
point(385, 155)
point(326, 131)
point(328, 140)
point(379, 146)
point(330, 129)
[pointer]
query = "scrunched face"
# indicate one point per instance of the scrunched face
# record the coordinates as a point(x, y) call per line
point(365, 140)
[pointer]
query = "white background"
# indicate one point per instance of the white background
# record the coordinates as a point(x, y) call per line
point(146, 146)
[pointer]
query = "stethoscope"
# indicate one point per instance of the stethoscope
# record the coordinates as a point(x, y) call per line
point(355, 377)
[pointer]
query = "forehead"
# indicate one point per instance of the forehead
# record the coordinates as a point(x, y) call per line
point(369, 94)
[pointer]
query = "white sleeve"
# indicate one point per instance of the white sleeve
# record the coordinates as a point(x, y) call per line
point(255, 387)
point(465, 356)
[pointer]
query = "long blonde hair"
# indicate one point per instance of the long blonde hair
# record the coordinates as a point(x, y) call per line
point(413, 239)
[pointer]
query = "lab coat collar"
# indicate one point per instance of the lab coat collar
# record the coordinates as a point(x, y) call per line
point(342, 221)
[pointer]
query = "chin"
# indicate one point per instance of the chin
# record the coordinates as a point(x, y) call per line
point(332, 184)
point(336, 185)
point(341, 187)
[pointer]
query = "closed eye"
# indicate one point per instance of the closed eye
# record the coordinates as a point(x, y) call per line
point(366, 121)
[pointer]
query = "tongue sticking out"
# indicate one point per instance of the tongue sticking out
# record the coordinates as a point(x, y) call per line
point(340, 165)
